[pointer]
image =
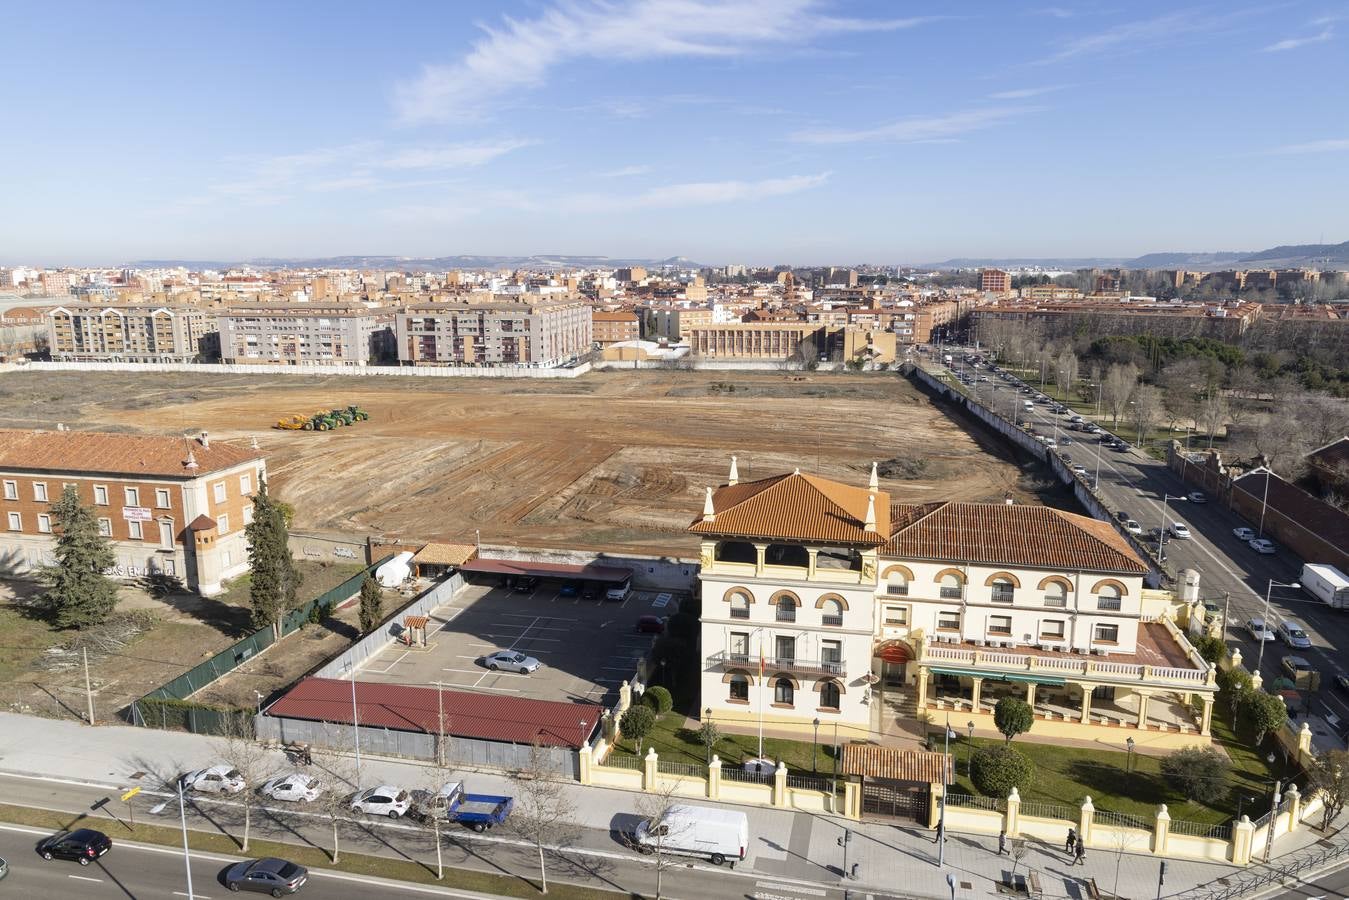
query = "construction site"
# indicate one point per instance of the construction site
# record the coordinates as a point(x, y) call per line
point(611, 461)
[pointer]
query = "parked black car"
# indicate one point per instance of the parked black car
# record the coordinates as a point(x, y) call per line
point(84, 845)
point(525, 583)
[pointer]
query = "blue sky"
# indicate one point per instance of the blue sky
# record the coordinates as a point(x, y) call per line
point(757, 131)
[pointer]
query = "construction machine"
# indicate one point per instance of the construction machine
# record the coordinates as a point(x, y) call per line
point(292, 423)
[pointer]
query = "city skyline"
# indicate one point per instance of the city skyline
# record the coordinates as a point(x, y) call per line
point(759, 131)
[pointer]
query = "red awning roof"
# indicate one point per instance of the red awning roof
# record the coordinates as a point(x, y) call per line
point(545, 570)
point(514, 720)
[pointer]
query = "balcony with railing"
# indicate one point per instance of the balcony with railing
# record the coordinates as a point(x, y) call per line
point(729, 660)
point(1113, 604)
point(1002, 594)
point(831, 621)
point(739, 612)
point(786, 614)
point(952, 593)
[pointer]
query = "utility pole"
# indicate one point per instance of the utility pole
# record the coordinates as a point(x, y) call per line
point(88, 690)
point(1227, 607)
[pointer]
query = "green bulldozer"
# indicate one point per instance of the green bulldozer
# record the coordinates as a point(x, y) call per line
point(327, 420)
point(358, 414)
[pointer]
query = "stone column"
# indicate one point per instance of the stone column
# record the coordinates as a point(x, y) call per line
point(1011, 820)
point(714, 778)
point(1084, 820)
point(1294, 807)
point(1086, 704)
point(852, 799)
point(1235, 658)
point(1242, 834)
point(1030, 695)
point(1161, 831)
point(624, 697)
point(922, 690)
point(1206, 720)
point(586, 760)
point(780, 784)
point(811, 554)
point(1304, 742)
point(759, 550)
point(938, 794)
point(1142, 710)
point(650, 772)
point(975, 685)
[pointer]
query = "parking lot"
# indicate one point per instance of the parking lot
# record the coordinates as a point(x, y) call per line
point(586, 647)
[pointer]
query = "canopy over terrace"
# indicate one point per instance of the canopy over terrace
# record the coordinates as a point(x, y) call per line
point(589, 572)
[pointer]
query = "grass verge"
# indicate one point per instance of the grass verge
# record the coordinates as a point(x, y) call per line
point(676, 742)
point(351, 863)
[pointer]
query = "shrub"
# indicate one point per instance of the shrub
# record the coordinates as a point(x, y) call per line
point(659, 699)
point(637, 723)
point(1263, 713)
point(1013, 717)
point(1197, 773)
point(1212, 649)
point(996, 770)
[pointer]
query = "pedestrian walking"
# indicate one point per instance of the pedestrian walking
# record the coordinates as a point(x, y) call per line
point(1002, 842)
point(940, 830)
point(1081, 854)
point(1071, 842)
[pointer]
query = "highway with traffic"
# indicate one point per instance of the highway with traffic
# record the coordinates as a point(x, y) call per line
point(1232, 575)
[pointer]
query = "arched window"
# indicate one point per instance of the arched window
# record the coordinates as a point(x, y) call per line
point(1107, 596)
point(1056, 594)
point(739, 688)
point(896, 584)
point(829, 695)
point(739, 605)
point(786, 608)
point(831, 613)
point(786, 555)
point(952, 586)
point(737, 552)
point(784, 692)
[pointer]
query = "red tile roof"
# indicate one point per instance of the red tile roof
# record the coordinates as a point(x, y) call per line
point(108, 453)
point(398, 707)
point(1009, 535)
point(796, 507)
point(872, 761)
point(589, 572)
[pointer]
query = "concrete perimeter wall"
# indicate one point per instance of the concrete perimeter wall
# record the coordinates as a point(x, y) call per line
point(222, 368)
point(356, 655)
point(650, 572)
point(1092, 502)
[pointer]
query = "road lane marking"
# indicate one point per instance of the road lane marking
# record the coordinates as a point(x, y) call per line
point(85, 878)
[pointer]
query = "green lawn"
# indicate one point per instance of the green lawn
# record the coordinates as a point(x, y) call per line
point(318, 577)
point(1065, 775)
point(676, 743)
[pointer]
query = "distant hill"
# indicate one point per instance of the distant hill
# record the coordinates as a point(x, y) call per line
point(1326, 256)
point(402, 263)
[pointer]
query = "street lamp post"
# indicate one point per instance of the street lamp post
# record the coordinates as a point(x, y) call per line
point(1129, 761)
point(1260, 657)
point(355, 719)
point(815, 745)
point(969, 749)
point(187, 854)
point(1273, 812)
point(945, 785)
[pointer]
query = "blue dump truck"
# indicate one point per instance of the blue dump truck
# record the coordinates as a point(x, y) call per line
point(451, 804)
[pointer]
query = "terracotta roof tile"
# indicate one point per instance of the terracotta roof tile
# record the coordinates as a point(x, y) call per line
point(116, 454)
point(490, 717)
point(872, 761)
point(1009, 535)
point(437, 554)
point(796, 507)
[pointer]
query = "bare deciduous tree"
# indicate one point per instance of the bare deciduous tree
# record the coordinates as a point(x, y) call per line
point(542, 813)
point(245, 753)
point(1117, 389)
point(1145, 410)
point(655, 807)
point(337, 776)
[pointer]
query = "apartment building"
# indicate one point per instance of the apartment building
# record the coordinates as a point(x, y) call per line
point(822, 600)
point(55, 284)
point(995, 281)
point(169, 506)
point(613, 327)
point(1220, 321)
point(306, 334)
point(130, 333)
point(674, 323)
point(524, 332)
point(754, 340)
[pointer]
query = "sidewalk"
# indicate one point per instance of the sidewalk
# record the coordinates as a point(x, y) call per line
point(784, 844)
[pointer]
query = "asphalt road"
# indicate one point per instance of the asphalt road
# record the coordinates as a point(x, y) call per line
point(1136, 484)
point(1332, 886)
point(594, 856)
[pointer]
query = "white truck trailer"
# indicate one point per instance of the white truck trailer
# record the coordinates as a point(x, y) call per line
point(1327, 584)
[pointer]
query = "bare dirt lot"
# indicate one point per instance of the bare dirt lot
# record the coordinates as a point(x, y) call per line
point(615, 461)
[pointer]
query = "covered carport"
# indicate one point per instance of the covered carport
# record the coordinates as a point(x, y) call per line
point(480, 570)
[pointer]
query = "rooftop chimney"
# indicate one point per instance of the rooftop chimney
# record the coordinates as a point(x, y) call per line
point(871, 513)
point(709, 513)
point(875, 484)
point(205, 440)
point(191, 462)
point(735, 472)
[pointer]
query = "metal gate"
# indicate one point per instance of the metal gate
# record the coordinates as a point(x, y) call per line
point(895, 799)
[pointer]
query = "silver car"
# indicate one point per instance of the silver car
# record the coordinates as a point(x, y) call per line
point(510, 659)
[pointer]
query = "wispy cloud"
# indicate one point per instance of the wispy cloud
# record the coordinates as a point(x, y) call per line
point(520, 53)
point(917, 130)
point(452, 156)
point(1026, 93)
point(1293, 43)
point(697, 193)
point(1329, 145)
point(624, 172)
point(1144, 34)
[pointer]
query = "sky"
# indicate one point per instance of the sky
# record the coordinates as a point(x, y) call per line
point(724, 131)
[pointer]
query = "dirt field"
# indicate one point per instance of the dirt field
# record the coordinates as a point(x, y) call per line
point(616, 460)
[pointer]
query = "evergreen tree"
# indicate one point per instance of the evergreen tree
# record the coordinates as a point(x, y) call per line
point(78, 593)
point(274, 579)
point(372, 604)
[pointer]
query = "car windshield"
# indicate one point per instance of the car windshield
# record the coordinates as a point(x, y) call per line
point(288, 870)
point(1296, 633)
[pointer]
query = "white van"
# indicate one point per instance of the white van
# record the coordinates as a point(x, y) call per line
point(619, 591)
point(1027, 405)
point(715, 834)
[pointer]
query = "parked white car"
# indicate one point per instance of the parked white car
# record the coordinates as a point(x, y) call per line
point(385, 800)
point(1262, 545)
point(1179, 531)
point(511, 660)
point(293, 788)
point(1243, 533)
point(1133, 527)
point(218, 779)
point(1258, 629)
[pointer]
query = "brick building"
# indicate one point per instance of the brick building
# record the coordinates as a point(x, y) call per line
point(334, 334)
point(613, 327)
point(170, 506)
point(129, 333)
point(499, 332)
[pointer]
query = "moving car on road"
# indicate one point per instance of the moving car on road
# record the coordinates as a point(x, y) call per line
point(1197, 497)
point(295, 788)
point(266, 876)
point(385, 800)
point(1258, 629)
point(1243, 533)
point(218, 779)
point(84, 845)
point(1179, 531)
point(1293, 634)
point(1302, 672)
point(1133, 527)
point(1263, 546)
point(510, 659)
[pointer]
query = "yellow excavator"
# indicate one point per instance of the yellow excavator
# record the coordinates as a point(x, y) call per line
point(293, 423)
